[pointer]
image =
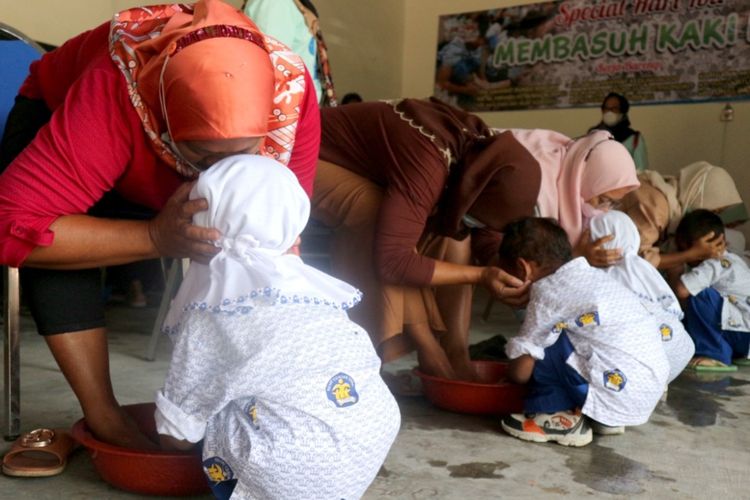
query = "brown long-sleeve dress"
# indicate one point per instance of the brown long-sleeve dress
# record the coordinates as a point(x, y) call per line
point(392, 176)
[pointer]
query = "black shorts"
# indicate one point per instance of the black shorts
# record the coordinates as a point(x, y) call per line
point(60, 301)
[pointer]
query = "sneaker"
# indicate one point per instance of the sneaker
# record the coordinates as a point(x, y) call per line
point(606, 430)
point(564, 427)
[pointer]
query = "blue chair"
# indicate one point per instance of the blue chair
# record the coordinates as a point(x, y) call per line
point(17, 52)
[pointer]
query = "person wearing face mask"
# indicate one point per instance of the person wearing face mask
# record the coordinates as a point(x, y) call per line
point(615, 120)
point(132, 111)
point(402, 184)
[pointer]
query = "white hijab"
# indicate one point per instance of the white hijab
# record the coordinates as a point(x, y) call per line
point(633, 271)
point(259, 207)
point(703, 185)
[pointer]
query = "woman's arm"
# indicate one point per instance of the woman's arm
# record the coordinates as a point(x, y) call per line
point(73, 160)
point(503, 286)
point(83, 242)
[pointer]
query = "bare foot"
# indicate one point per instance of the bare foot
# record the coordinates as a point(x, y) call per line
point(120, 429)
point(462, 366)
point(437, 366)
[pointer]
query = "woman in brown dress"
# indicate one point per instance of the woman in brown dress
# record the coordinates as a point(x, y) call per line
point(401, 184)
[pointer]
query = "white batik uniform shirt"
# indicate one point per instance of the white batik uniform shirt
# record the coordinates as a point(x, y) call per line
point(284, 395)
point(730, 276)
point(267, 368)
point(616, 346)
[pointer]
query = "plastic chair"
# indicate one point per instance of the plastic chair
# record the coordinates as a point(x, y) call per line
point(17, 51)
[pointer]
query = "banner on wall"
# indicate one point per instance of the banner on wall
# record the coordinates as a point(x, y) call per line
point(571, 53)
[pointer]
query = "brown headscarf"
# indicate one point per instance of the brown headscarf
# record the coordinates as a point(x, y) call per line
point(496, 182)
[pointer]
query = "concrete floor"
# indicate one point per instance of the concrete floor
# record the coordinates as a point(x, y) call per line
point(697, 444)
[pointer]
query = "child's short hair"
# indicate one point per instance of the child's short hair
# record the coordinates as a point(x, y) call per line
point(695, 225)
point(537, 239)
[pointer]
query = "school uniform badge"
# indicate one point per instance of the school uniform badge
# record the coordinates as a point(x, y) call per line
point(341, 390)
point(615, 380)
point(666, 332)
point(588, 319)
point(220, 477)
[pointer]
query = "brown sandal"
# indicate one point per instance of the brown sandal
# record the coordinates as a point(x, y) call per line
point(39, 453)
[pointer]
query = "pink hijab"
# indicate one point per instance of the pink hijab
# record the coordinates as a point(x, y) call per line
point(576, 170)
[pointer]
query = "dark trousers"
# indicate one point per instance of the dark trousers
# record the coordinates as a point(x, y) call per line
point(703, 323)
point(554, 385)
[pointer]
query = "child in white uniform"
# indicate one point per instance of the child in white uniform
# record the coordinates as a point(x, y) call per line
point(586, 342)
point(647, 283)
point(717, 294)
point(267, 368)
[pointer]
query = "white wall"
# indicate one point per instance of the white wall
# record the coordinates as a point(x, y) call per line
point(365, 42)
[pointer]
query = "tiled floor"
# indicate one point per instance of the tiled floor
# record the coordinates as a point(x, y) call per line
point(697, 444)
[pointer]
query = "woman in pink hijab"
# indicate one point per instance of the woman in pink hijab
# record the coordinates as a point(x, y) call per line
point(580, 178)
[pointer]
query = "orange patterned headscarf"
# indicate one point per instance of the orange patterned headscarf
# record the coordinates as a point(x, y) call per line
point(205, 71)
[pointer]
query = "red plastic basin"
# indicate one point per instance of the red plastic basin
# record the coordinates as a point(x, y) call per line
point(166, 473)
point(491, 396)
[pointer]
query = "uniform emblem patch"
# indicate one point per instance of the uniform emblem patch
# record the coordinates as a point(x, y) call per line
point(342, 391)
point(666, 332)
point(588, 319)
point(615, 380)
point(217, 470)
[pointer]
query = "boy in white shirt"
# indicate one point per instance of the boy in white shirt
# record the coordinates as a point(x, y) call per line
point(587, 346)
point(717, 294)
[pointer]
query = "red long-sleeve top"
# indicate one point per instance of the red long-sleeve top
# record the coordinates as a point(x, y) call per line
point(94, 143)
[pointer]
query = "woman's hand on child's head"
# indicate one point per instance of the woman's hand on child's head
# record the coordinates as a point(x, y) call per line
point(594, 251)
point(172, 231)
point(709, 246)
point(505, 287)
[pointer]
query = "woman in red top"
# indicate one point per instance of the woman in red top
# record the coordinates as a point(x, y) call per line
point(129, 113)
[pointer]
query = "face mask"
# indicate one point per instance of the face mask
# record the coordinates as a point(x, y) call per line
point(611, 118)
point(471, 222)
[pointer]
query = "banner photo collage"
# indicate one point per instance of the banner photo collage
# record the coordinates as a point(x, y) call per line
point(571, 53)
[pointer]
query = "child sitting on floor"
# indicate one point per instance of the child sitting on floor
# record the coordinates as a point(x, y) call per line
point(717, 293)
point(647, 283)
point(587, 345)
point(267, 368)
